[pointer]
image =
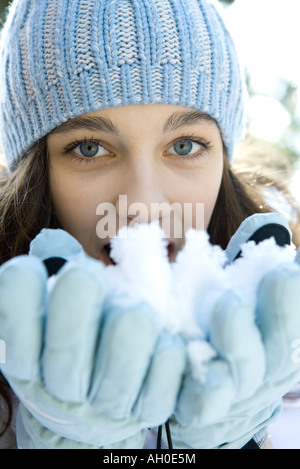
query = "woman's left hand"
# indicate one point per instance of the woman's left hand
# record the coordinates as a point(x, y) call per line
point(258, 362)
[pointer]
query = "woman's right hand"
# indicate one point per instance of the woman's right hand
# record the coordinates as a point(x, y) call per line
point(84, 376)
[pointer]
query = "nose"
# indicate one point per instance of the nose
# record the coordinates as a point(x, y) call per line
point(143, 194)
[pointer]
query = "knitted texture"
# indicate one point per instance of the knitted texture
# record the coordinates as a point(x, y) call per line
point(62, 58)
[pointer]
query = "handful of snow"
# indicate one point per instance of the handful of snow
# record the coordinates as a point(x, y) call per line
point(184, 293)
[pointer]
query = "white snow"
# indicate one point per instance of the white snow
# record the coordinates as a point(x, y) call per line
point(142, 271)
point(184, 293)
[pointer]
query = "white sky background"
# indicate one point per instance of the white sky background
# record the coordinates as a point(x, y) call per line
point(267, 35)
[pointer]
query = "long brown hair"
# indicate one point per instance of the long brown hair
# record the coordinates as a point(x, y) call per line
point(242, 195)
point(25, 208)
point(25, 204)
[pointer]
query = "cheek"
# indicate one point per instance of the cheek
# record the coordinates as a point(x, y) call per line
point(210, 186)
point(202, 188)
point(75, 207)
point(209, 197)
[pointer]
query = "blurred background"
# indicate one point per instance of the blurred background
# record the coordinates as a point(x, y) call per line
point(267, 35)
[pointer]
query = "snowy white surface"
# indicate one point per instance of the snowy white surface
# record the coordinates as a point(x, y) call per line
point(184, 293)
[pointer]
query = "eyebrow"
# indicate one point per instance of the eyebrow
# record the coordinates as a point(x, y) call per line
point(176, 121)
point(96, 123)
point(187, 118)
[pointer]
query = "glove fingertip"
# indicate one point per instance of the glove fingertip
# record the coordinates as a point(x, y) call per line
point(54, 243)
point(22, 293)
point(278, 317)
point(128, 338)
point(206, 402)
point(158, 396)
point(237, 338)
point(73, 323)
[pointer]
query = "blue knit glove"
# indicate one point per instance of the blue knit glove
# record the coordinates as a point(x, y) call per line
point(255, 364)
point(85, 376)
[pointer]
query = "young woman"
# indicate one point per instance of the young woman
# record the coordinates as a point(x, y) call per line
point(103, 98)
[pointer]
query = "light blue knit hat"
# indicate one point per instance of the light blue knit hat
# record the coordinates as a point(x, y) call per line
point(62, 58)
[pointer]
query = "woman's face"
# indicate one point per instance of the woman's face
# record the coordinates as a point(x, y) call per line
point(125, 165)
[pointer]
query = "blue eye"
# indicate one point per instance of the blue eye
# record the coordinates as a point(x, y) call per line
point(90, 149)
point(185, 147)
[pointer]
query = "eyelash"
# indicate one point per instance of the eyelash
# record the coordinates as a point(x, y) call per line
point(69, 149)
point(206, 147)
